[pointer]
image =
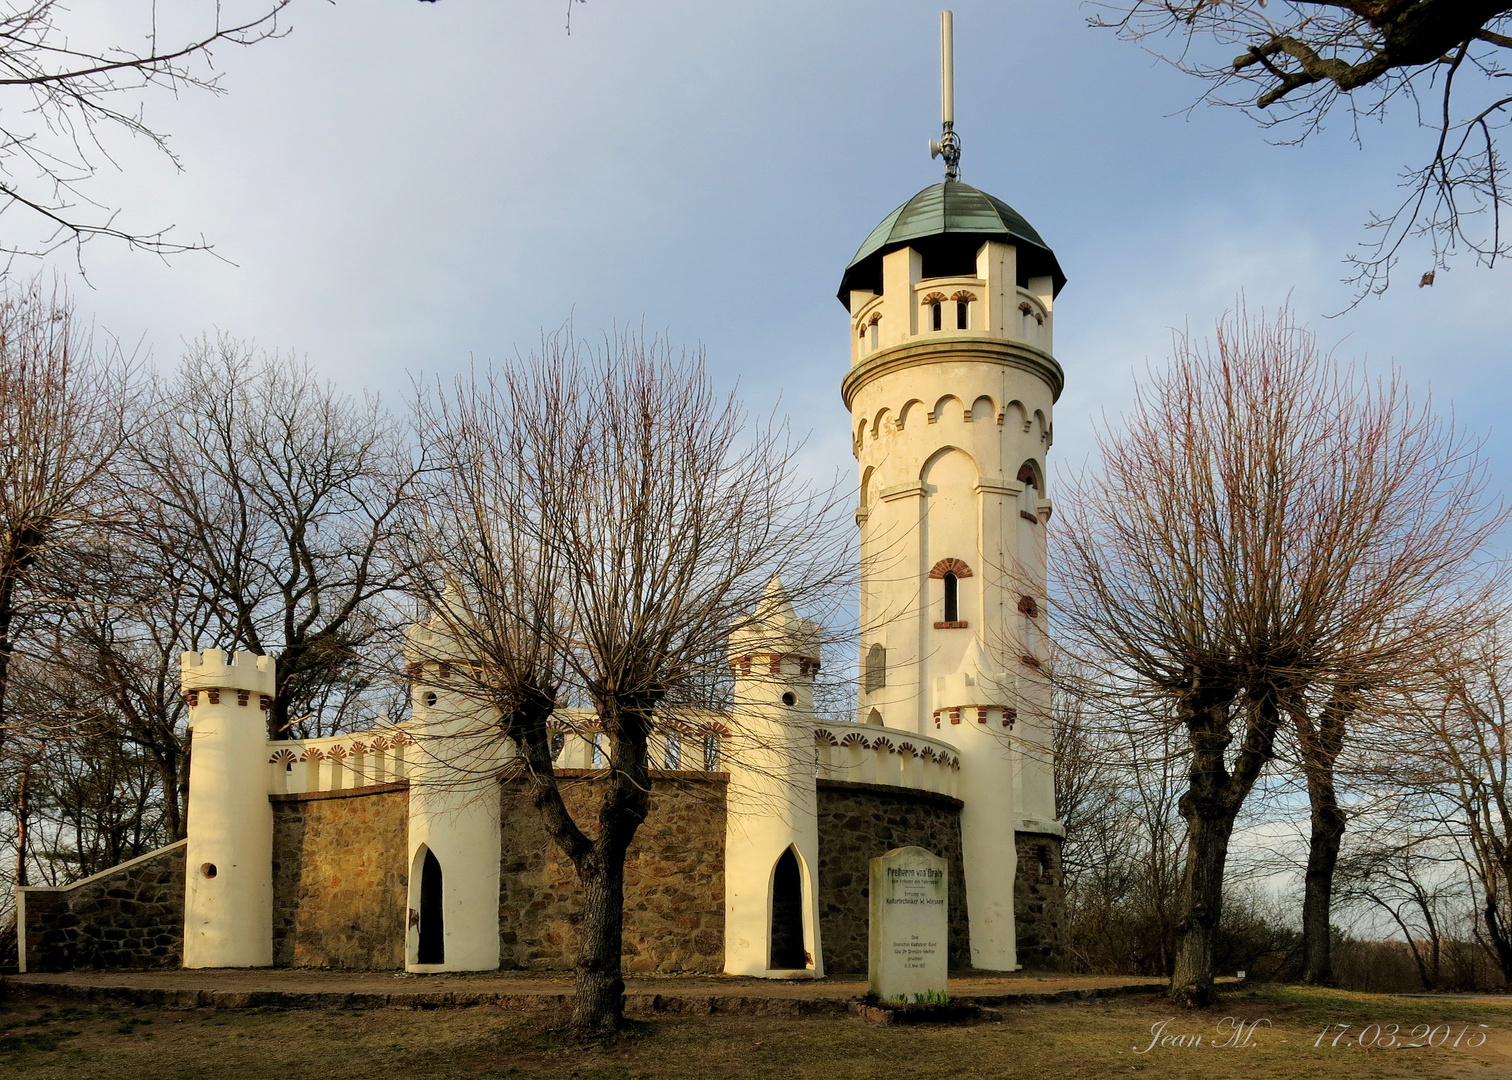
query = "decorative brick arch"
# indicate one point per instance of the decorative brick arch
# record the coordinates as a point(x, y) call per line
point(950, 566)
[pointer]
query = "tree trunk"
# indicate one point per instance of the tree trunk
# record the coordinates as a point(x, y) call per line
point(1501, 941)
point(23, 819)
point(1320, 747)
point(1202, 904)
point(600, 1002)
point(1317, 896)
point(1210, 806)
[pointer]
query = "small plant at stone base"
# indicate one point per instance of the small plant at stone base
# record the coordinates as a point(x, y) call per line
point(932, 997)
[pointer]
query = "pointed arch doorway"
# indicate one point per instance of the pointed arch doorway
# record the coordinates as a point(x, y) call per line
point(786, 943)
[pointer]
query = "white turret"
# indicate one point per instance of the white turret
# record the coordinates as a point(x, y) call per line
point(454, 808)
point(772, 831)
point(950, 390)
point(228, 898)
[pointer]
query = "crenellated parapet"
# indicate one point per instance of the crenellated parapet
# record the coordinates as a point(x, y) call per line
point(218, 677)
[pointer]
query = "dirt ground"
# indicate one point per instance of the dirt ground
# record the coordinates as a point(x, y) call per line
point(305, 980)
point(1257, 1034)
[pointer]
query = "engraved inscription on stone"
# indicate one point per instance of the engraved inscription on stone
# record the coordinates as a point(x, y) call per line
point(909, 927)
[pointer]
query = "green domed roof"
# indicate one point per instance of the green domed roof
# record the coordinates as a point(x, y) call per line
point(946, 223)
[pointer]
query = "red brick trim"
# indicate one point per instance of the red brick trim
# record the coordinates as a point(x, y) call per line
point(950, 566)
point(950, 626)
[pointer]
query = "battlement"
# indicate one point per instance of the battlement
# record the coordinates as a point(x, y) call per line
point(776, 632)
point(430, 642)
point(216, 669)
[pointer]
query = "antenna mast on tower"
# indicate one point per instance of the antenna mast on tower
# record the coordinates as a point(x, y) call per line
point(948, 145)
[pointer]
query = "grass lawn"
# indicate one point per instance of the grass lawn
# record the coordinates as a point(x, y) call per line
point(42, 1038)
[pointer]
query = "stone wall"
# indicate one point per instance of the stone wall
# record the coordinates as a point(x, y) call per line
point(858, 822)
point(674, 877)
point(131, 916)
point(340, 877)
point(1039, 900)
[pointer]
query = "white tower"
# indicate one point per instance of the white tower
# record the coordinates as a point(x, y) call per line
point(950, 390)
point(228, 897)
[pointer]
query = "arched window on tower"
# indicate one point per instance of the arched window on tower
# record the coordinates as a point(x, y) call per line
point(963, 301)
point(949, 572)
point(876, 669)
point(936, 318)
point(876, 332)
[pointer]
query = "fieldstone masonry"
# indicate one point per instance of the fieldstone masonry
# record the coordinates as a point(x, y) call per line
point(674, 877)
point(131, 916)
point(1039, 900)
point(339, 881)
point(859, 822)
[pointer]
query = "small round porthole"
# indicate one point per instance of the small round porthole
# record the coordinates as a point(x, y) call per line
point(429, 698)
point(789, 698)
point(209, 869)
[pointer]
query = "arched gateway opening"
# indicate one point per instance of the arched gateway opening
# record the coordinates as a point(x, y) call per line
point(787, 952)
point(432, 938)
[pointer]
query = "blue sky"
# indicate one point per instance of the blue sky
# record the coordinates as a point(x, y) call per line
point(403, 187)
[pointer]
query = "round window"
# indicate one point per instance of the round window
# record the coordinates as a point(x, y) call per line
point(789, 699)
point(430, 698)
point(209, 869)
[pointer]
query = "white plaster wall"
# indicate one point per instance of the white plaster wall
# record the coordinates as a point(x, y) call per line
point(228, 917)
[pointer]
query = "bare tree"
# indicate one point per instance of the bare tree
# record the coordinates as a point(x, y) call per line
point(1300, 61)
point(599, 523)
point(1267, 524)
point(272, 497)
point(1453, 752)
point(62, 404)
point(69, 90)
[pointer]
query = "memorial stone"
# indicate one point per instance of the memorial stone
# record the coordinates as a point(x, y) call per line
point(909, 933)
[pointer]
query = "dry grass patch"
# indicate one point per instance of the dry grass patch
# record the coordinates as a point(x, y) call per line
point(41, 1039)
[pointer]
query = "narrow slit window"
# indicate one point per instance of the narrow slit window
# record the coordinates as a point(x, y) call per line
point(952, 595)
point(876, 334)
point(934, 316)
point(963, 315)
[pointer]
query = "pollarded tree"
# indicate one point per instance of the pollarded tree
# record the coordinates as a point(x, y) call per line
point(1299, 62)
point(597, 524)
point(1268, 537)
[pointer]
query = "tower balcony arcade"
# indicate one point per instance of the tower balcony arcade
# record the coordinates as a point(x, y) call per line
point(916, 306)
